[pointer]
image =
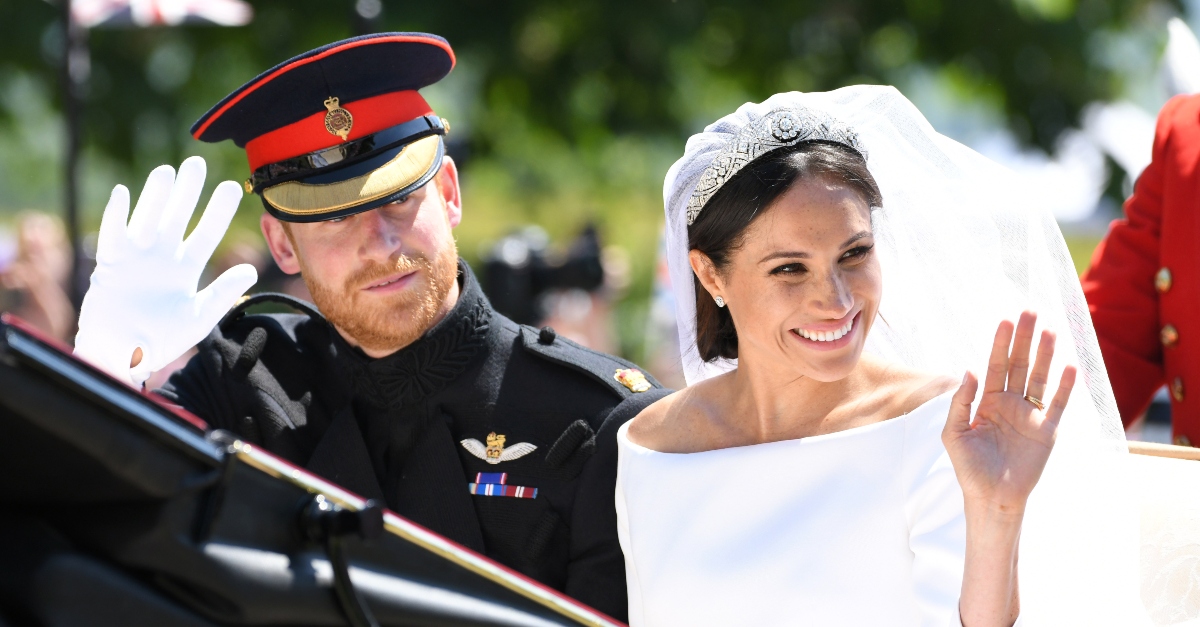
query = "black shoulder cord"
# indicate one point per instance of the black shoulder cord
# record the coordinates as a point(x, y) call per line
point(270, 297)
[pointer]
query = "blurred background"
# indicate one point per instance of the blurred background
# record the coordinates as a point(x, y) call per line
point(566, 116)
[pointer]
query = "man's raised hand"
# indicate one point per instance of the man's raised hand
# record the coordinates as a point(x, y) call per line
point(143, 292)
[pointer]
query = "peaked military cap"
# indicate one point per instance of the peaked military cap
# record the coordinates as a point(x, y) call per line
point(338, 130)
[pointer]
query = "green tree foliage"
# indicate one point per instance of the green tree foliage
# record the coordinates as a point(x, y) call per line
point(606, 66)
point(654, 66)
point(567, 112)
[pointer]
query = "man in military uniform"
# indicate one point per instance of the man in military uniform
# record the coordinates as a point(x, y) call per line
point(1143, 286)
point(403, 384)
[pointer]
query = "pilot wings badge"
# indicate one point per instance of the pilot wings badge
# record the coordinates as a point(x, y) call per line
point(495, 452)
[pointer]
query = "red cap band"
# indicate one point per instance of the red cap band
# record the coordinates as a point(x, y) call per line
point(371, 115)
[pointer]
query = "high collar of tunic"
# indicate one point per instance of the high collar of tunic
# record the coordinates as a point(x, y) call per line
point(426, 366)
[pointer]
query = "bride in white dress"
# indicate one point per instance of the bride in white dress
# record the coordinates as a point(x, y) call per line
point(834, 259)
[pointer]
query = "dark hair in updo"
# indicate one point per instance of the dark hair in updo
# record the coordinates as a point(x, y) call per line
point(719, 228)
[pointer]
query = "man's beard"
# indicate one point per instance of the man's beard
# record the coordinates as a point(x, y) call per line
point(387, 323)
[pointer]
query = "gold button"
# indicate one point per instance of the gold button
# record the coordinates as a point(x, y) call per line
point(248, 186)
point(1169, 335)
point(1182, 440)
point(1177, 389)
point(1162, 280)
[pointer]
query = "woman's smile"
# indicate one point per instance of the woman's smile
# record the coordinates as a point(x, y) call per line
point(823, 338)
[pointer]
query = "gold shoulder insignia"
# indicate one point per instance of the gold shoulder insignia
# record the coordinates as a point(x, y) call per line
point(633, 379)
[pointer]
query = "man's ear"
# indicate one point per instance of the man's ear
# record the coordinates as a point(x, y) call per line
point(706, 271)
point(282, 247)
point(447, 185)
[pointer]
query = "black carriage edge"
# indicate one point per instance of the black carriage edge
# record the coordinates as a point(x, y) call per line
point(117, 508)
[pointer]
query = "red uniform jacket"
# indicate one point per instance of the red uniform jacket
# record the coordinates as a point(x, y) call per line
point(1143, 287)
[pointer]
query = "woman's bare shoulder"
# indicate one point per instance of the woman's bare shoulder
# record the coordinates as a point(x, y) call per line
point(918, 388)
point(906, 389)
point(652, 418)
point(673, 423)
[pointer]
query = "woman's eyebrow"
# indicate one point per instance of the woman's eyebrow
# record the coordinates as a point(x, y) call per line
point(784, 253)
point(855, 238)
point(803, 255)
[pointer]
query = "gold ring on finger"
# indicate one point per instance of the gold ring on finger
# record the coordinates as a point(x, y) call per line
point(1037, 402)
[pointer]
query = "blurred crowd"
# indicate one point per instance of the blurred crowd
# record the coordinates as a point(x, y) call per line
point(35, 271)
point(574, 290)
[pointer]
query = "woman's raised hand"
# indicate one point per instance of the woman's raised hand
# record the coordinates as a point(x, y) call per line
point(999, 455)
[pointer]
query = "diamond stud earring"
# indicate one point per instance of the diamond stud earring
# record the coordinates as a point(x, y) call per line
point(720, 301)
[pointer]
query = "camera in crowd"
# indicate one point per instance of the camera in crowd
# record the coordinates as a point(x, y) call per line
point(521, 268)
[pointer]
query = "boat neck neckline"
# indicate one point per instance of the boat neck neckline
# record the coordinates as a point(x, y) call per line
point(623, 433)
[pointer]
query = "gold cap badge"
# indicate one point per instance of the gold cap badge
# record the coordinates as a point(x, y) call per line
point(494, 452)
point(632, 379)
point(338, 121)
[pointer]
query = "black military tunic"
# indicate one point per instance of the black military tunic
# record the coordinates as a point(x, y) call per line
point(393, 428)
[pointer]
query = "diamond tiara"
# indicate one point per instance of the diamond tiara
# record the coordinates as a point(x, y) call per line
point(778, 129)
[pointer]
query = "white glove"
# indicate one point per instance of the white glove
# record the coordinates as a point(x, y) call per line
point(143, 293)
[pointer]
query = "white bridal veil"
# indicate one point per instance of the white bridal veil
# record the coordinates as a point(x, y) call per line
point(962, 247)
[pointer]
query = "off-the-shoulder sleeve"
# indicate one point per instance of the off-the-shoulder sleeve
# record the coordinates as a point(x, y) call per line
point(934, 510)
point(633, 583)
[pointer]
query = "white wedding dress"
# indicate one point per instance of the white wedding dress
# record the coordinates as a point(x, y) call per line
point(863, 527)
